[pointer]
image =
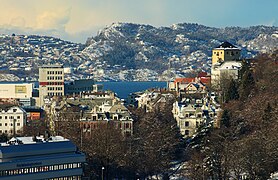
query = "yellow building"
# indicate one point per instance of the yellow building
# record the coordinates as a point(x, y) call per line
point(225, 52)
point(16, 90)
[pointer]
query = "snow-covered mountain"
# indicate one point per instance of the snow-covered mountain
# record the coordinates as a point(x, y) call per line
point(183, 47)
point(126, 51)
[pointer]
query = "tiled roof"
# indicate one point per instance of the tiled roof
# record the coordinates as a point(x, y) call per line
point(184, 80)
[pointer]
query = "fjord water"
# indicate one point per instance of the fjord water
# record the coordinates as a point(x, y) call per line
point(122, 89)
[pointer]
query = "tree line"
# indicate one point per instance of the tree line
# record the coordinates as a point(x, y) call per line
point(245, 145)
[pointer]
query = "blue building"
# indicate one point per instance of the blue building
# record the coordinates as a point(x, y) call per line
point(38, 158)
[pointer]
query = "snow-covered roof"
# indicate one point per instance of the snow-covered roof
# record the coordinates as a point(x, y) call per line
point(230, 65)
point(226, 45)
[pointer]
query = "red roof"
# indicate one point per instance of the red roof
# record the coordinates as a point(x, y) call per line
point(205, 80)
point(184, 80)
point(202, 74)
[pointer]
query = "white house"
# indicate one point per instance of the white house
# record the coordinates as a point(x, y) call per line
point(12, 120)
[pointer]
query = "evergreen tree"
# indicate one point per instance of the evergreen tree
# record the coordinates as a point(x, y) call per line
point(225, 119)
point(231, 93)
point(245, 66)
point(246, 84)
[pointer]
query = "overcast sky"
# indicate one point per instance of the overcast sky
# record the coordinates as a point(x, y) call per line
point(75, 20)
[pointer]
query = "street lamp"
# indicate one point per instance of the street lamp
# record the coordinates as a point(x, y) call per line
point(102, 172)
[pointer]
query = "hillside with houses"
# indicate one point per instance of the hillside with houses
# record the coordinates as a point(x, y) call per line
point(130, 52)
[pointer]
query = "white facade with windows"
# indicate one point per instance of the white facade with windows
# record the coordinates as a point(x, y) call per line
point(190, 114)
point(12, 120)
point(51, 82)
point(38, 158)
point(225, 70)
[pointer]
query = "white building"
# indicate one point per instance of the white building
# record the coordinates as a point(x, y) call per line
point(191, 113)
point(12, 120)
point(229, 69)
point(28, 158)
point(152, 100)
point(51, 82)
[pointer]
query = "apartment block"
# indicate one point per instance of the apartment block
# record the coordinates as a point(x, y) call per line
point(51, 82)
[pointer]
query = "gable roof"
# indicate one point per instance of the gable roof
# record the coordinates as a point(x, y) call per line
point(226, 44)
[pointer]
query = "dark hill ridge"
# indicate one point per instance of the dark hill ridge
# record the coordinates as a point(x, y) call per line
point(127, 51)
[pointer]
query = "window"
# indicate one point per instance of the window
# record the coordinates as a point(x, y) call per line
point(186, 124)
point(18, 124)
point(186, 132)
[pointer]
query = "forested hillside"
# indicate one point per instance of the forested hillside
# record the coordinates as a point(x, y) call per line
point(246, 141)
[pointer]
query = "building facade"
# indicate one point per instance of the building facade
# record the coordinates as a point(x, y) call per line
point(51, 82)
point(192, 113)
point(94, 109)
point(79, 86)
point(16, 90)
point(12, 120)
point(40, 158)
point(226, 63)
point(225, 52)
